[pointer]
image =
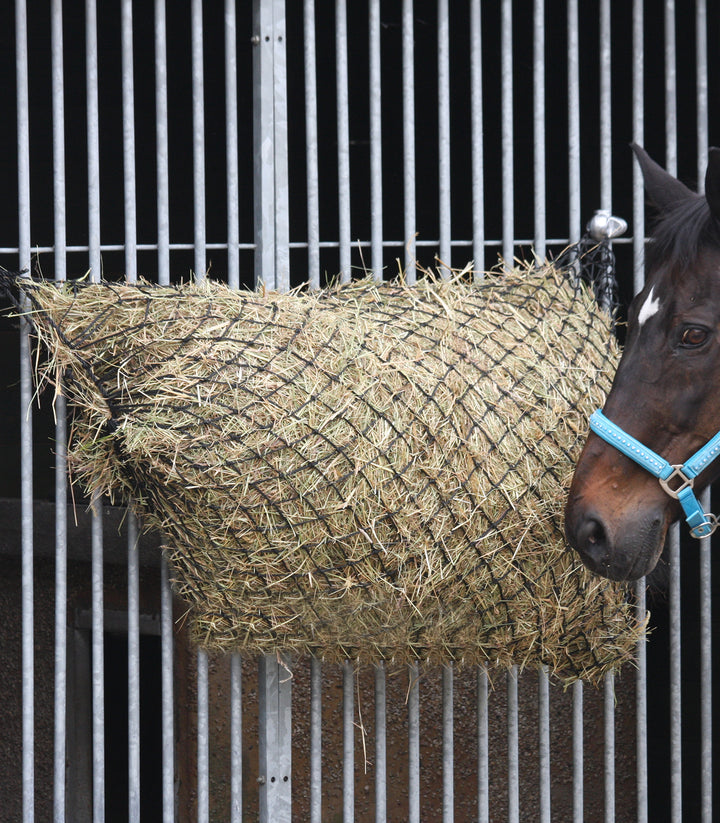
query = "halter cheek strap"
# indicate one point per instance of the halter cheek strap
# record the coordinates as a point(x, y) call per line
point(682, 477)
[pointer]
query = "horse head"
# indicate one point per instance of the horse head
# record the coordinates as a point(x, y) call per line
point(665, 392)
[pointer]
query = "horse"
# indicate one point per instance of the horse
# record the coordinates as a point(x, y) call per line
point(652, 448)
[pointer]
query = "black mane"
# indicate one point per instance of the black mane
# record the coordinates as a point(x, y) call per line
point(681, 232)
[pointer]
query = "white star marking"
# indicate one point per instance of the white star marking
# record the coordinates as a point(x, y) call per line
point(650, 307)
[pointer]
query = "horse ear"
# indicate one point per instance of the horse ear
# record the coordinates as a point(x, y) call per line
point(663, 189)
point(712, 182)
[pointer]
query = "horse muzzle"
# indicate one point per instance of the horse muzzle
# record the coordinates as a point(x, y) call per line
point(626, 550)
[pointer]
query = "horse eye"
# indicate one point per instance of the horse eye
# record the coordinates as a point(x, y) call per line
point(693, 336)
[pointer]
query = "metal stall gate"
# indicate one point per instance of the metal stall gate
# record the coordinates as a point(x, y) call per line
point(276, 144)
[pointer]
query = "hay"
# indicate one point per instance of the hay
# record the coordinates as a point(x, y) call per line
point(375, 472)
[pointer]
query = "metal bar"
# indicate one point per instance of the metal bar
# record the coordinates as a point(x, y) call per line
point(235, 738)
point(128, 108)
point(231, 146)
point(445, 222)
point(539, 128)
point(380, 745)
point(26, 467)
point(348, 743)
point(675, 677)
point(413, 700)
point(315, 740)
point(609, 716)
point(408, 93)
point(161, 140)
point(476, 130)
point(343, 136)
point(483, 747)
point(203, 739)
point(670, 89)
point(280, 132)
point(544, 744)
point(705, 594)
point(59, 241)
point(705, 673)
point(311, 147)
point(513, 741)
point(168, 722)
point(275, 750)
point(97, 639)
point(133, 606)
point(376, 186)
point(578, 746)
point(198, 114)
point(574, 215)
point(605, 107)
point(508, 181)
point(448, 746)
point(641, 684)
point(133, 570)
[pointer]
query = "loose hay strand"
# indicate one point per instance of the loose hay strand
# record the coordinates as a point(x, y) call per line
point(376, 471)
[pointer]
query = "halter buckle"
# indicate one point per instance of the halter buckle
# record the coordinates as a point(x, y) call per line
point(685, 481)
point(707, 528)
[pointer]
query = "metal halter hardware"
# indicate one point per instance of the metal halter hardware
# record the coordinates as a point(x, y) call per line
point(701, 524)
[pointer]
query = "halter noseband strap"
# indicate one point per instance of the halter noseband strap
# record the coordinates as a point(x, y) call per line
point(701, 524)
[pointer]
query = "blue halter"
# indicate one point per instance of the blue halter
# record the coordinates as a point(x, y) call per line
point(701, 524)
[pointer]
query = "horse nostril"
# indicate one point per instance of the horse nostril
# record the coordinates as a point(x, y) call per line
point(593, 542)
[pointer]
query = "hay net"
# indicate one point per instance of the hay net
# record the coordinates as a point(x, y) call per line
point(374, 471)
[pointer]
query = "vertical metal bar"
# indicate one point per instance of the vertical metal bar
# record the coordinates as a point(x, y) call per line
point(203, 739)
point(380, 745)
point(97, 600)
point(413, 743)
point(483, 747)
point(670, 89)
point(544, 744)
point(275, 751)
point(605, 107)
point(675, 678)
point(311, 147)
point(161, 139)
point(448, 745)
point(513, 741)
point(26, 472)
point(578, 746)
point(198, 114)
point(476, 131)
point(348, 743)
point(163, 226)
point(539, 127)
point(443, 15)
point(641, 755)
point(705, 673)
point(133, 671)
point(343, 135)
point(376, 206)
point(315, 740)
point(706, 765)
point(508, 177)
point(133, 570)
point(280, 132)
point(574, 215)
point(128, 108)
point(408, 92)
point(168, 723)
point(59, 242)
point(235, 738)
point(639, 138)
point(231, 146)
point(609, 747)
